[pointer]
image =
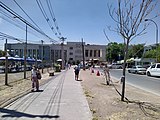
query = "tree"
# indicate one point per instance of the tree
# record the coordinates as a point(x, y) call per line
point(2, 53)
point(136, 51)
point(114, 51)
point(129, 17)
point(152, 53)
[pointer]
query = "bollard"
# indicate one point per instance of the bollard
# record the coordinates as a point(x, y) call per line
point(92, 71)
point(98, 74)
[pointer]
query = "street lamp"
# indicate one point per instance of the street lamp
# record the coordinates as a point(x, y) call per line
point(156, 37)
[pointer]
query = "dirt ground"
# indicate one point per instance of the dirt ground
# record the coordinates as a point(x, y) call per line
point(105, 103)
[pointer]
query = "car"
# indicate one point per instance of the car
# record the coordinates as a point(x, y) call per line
point(138, 69)
point(116, 66)
point(154, 70)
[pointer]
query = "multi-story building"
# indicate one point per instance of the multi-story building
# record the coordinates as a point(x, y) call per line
point(53, 52)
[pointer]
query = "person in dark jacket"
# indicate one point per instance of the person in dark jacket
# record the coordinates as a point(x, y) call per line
point(76, 71)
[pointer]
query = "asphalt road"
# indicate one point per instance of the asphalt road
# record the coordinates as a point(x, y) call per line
point(150, 84)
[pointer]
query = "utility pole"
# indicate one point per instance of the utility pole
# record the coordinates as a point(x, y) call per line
point(83, 54)
point(6, 65)
point(36, 58)
point(25, 55)
point(42, 55)
point(62, 51)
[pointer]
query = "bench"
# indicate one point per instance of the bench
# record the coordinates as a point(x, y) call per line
point(51, 73)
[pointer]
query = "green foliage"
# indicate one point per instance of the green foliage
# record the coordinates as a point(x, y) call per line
point(2, 53)
point(152, 53)
point(115, 51)
point(136, 51)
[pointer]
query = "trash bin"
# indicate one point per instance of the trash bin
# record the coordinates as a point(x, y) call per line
point(57, 68)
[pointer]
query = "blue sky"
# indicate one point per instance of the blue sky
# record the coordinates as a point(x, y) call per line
point(76, 19)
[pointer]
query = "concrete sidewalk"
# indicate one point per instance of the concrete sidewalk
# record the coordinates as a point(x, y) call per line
point(62, 98)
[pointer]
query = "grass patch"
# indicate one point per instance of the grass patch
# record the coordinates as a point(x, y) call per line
point(88, 95)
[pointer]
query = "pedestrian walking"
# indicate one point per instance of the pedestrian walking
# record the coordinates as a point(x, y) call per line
point(35, 75)
point(76, 71)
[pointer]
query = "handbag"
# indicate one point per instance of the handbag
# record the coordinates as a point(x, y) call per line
point(38, 75)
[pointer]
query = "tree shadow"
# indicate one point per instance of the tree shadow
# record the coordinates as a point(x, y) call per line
point(17, 114)
point(149, 109)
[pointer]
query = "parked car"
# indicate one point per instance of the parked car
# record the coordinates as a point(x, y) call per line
point(116, 66)
point(137, 70)
point(154, 70)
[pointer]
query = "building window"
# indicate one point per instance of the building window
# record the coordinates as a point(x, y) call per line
point(71, 48)
point(70, 58)
point(95, 51)
point(21, 53)
point(70, 53)
point(90, 53)
point(86, 53)
point(56, 53)
point(99, 53)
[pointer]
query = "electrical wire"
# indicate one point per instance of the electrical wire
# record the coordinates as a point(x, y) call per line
point(7, 17)
point(3, 35)
point(26, 14)
point(53, 16)
point(45, 16)
point(23, 20)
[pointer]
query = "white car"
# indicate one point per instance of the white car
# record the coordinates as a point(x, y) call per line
point(154, 70)
point(117, 66)
point(137, 70)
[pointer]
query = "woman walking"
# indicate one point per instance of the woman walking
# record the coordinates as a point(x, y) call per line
point(34, 79)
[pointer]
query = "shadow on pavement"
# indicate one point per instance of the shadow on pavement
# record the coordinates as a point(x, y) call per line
point(14, 113)
point(78, 80)
point(36, 91)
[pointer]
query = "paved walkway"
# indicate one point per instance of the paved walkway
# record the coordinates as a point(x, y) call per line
point(62, 98)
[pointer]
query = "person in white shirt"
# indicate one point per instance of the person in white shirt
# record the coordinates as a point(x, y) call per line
point(34, 79)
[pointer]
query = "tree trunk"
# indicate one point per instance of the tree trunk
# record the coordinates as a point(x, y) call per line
point(124, 70)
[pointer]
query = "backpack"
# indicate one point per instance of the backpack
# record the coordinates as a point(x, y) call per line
point(76, 70)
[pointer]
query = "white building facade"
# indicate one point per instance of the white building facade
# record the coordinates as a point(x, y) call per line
point(52, 52)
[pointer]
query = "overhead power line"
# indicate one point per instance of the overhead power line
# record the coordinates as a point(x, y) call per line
point(53, 16)
point(10, 20)
point(23, 20)
point(26, 14)
point(45, 16)
point(3, 35)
